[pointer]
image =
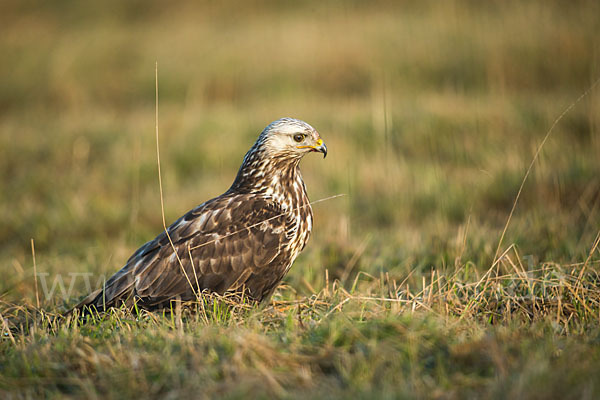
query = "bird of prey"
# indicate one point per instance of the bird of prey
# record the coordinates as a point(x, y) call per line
point(243, 241)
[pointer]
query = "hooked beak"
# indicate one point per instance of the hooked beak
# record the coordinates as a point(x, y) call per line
point(320, 147)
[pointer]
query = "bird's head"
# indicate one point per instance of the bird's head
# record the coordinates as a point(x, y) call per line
point(291, 138)
point(277, 152)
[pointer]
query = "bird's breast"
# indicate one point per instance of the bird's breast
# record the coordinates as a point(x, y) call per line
point(288, 193)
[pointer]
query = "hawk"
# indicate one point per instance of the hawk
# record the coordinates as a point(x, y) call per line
point(242, 241)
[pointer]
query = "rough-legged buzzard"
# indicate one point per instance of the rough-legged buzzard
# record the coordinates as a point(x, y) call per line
point(244, 240)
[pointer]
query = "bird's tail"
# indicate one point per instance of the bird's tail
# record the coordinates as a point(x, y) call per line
point(86, 303)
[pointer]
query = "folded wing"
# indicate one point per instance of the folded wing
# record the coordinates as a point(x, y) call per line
point(218, 246)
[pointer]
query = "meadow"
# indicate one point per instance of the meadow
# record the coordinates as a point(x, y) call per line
point(418, 282)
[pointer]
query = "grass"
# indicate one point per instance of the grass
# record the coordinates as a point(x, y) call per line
point(461, 335)
point(431, 113)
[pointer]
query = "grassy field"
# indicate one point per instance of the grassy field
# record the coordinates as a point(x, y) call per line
point(432, 112)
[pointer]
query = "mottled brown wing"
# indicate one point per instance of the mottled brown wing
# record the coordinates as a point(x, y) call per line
point(218, 246)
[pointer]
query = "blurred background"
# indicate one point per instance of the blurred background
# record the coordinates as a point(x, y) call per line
point(431, 111)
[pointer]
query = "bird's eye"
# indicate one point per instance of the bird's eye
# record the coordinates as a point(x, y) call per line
point(299, 137)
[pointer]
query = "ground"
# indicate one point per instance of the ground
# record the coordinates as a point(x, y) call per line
point(432, 113)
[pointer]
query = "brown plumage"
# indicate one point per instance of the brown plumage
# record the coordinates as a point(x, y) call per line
point(242, 241)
